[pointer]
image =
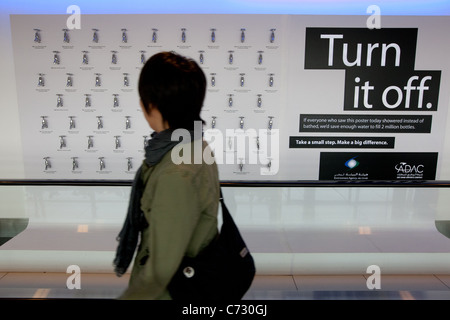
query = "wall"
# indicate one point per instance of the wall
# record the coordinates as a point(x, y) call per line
point(12, 159)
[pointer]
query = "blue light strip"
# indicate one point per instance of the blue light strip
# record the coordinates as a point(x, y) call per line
point(326, 7)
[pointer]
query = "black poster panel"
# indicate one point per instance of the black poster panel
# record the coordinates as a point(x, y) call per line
point(377, 166)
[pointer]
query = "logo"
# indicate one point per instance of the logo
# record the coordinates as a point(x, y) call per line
point(378, 165)
point(352, 163)
point(408, 171)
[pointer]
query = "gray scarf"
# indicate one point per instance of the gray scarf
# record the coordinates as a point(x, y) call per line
point(135, 221)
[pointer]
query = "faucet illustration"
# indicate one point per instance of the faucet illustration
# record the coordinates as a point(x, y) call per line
point(47, 163)
point(62, 142)
point(95, 36)
point(117, 141)
point(44, 122)
point(213, 35)
point(66, 35)
point(90, 143)
point(242, 79)
point(56, 59)
point(213, 122)
point(114, 57)
point(124, 36)
point(71, 122)
point(129, 164)
point(87, 100)
point(126, 81)
point(270, 123)
point(41, 82)
point(259, 101)
point(142, 57)
point(272, 35)
point(260, 57)
point(59, 101)
point(241, 123)
point(230, 57)
point(98, 82)
point(85, 57)
point(115, 100)
point(74, 163)
point(242, 35)
point(37, 35)
point(154, 35)
point(241, 165)
point(69, 82)
point(99, 122)
point(183, 35)
point(127, 122)
point(102, 163)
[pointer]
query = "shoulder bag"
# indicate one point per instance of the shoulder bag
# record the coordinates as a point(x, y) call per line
point(224, 270)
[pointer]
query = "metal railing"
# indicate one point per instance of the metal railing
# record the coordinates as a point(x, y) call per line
point(245, 183)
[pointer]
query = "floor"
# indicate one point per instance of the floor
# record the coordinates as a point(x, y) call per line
point(33, 285)
point(308, 243)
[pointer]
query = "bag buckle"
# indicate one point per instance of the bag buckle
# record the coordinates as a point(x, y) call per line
point(188, 272)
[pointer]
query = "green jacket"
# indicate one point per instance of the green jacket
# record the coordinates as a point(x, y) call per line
point(180, 203)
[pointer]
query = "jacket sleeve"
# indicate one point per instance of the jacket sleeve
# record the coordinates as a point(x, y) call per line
point(172, 218)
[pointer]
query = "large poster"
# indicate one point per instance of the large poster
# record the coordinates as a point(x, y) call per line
point(289, 97)
point(370, 104)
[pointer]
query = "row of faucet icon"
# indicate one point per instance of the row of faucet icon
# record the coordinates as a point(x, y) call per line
point(126, 80)
point(242, 81)
point(241, 122)
point(102, 165)
point(72, 125)
point(86, 61)
point(87, 100)
point(231, 102)
point(44, 122)
point(231, 57)
point(67, 38)
point(142, 58)
point(70, 80)
point(118, 144)
point(154, 36)
point(75, 163)
point(90, 142)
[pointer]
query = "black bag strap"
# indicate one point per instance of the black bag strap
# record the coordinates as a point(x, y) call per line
point(226, 216)
point(222, 202)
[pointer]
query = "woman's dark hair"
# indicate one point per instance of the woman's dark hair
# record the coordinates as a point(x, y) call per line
point(174, 84)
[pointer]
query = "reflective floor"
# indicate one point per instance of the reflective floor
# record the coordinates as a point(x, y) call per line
point(34, 285)
point(308, 243)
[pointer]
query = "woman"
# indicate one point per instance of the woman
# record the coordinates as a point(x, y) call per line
point(173, 207)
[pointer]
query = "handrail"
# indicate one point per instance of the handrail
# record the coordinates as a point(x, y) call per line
point(245, 183)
